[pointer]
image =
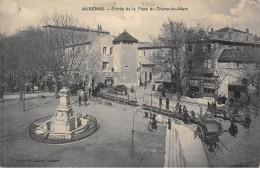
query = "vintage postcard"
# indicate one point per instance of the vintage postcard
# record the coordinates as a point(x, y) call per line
point(133, 83)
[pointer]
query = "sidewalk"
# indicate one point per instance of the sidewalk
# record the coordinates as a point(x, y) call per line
point(16, 95)
point(144, 96)
point(193, 151)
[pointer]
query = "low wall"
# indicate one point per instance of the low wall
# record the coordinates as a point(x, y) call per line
point(174, 156)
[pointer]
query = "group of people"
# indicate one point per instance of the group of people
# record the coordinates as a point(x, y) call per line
point(29, 89)
point(185, 114)
point(179, 109)
point(85, 98)
point(212, 107)
point(167, 102)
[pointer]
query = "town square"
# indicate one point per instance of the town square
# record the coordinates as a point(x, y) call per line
point(97, 91)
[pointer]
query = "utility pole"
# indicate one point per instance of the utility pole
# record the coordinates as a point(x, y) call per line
point(258, 85)
point(132, 153)
point(23, 86)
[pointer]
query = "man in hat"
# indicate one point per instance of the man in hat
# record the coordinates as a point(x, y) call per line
point(79, 100)
point(167, 103)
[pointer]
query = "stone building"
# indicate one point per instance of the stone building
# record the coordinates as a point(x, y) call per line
point(219, 72)
point(124, 60)
point(239, 70)
point(232, 34)
point(69, 38)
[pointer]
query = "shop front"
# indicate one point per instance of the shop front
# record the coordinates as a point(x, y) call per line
point(202, 86)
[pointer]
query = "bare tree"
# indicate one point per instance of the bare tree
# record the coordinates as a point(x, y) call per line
point(175, 58)
point(251, 71)
point(2, 65)
point(67, 49)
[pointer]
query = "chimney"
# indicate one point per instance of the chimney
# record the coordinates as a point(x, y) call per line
point(247, 30)
point(212, 29)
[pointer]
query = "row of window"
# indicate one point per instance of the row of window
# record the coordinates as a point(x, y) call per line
point(197, 89)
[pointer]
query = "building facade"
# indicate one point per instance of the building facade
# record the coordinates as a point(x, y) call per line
point(125, 60)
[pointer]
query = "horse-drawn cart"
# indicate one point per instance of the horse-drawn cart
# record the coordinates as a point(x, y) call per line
point(208, 131)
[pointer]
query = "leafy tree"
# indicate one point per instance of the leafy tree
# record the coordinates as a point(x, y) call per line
point(21, 57)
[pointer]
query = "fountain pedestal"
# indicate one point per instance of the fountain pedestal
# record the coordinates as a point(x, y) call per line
point(63, 121)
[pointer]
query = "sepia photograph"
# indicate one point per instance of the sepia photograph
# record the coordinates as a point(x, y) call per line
point(129, 84)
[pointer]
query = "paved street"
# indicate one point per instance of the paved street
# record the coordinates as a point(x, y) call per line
point(243, 150)
point(110, 146)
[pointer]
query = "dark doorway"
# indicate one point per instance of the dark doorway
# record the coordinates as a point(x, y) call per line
point(236, 92)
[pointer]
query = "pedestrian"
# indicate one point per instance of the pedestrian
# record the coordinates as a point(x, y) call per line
point(85, 98)
point(167, 103)
point(208, 106)
point(160, 102)
point(154, 122)
point(180, 109)
point(89, 91)
point(153, 87)
point(247, 120)
point(233, 129)
point(192, 113)
point(184, 108)
point(177, 107)
point(215, 109)
point(79, 100)
point(163, 92)
point(149, 126)
point(27, 89)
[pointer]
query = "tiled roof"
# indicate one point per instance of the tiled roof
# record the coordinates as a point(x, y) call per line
point(226, 29)
point(239, 56)
point(76, 28)
point(125, 37)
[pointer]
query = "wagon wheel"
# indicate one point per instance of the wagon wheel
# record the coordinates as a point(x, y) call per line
point(201, 134)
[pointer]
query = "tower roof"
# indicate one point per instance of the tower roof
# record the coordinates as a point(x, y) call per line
point(125, 37)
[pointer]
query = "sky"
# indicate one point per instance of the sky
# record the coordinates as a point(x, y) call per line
point(239, 14)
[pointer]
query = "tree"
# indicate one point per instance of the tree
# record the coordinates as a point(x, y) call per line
point(20, 57)
point(66, 49)
point(2, 66)
point(175, 58)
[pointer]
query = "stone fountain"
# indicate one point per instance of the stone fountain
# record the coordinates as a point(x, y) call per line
point(64, 124)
